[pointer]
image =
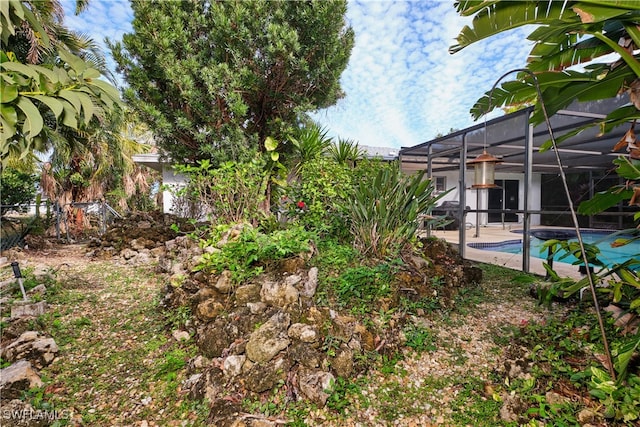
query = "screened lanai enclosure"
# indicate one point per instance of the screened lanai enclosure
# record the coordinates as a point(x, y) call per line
point(528, 190)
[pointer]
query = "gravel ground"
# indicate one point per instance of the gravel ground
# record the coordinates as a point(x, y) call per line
point(110, 371)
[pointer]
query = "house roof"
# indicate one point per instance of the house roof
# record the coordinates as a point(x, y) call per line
point(151, 160)
point(506, 139)
point(386, 153)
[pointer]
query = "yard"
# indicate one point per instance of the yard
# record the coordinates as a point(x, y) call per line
point(493, 356)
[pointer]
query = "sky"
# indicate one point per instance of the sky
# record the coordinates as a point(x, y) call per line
point(402, 87)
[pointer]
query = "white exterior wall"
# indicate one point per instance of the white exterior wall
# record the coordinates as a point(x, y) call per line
point(473, 196)
point(172, 182)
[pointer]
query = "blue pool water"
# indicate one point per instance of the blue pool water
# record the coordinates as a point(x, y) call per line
point(602, 239)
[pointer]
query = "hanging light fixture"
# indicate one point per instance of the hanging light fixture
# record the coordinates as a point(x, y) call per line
point(484, 170)
point(485, 164)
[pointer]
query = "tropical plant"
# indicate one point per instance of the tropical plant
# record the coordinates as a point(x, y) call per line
point(91, 166)
point(567, 34)
point(233, 192)
point(308, 143)
point(211, 77)
point(62, 92)
point(384, 213)
point(317, 195)
point(246, 251)
point(346, 151)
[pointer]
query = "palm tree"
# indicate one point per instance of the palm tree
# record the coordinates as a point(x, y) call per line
point(346, 152)
point(88, 140)
point(567, 33)
point(86, 167)
point(50, 79)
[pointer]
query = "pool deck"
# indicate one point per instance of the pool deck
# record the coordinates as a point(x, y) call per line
point(496, 233)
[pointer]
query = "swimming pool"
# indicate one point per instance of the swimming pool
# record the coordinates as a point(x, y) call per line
point(602, 239)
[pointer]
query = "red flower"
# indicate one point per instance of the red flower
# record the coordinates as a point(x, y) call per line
point(301, 204)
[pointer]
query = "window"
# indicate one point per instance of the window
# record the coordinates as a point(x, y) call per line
point(440, 183)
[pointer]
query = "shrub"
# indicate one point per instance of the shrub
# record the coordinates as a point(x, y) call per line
point(384, 214)
point(246, 255)
point(231, 192)
point(360, 287)
point(17, 187)
point(315, 199)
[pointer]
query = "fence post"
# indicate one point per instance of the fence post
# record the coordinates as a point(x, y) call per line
point(56, 208)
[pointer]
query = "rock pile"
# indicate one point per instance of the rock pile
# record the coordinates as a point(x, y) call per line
point(267, 334)
point(27, 351)
point(137, 239)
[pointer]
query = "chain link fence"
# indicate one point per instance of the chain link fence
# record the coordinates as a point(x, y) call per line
point(65, 222)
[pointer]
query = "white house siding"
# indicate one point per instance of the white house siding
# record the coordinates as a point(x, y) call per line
point(471, 195)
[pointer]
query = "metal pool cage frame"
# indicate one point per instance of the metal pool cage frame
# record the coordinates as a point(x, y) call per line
point(516, 142)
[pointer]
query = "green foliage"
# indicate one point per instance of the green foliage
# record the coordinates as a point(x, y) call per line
point(316, 199)
point(564, 34)
point(174, 360)
point(17, 187)
point(384, 213)
point(341, 391)
point(334, 256)
point(246, 254)
point(359, 287)
point(621, 401)
point(232, 192)
point(211, 76)
point(419, 338)
point(178, 317)
point(346, 152)
point(309, 143)
point(40, 100)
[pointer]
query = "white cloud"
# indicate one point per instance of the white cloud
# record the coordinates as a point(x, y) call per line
point(402, 86)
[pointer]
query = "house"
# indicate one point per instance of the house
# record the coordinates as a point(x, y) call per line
point(171, 180)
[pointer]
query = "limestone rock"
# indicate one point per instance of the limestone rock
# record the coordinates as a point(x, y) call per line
point(204, 294)
point(269, 339)
point(26, 309)
point(17, 378)
point(223, 283)
point(209, 385)
point(257, 307)
point(311, 284)
point(39, 350)
point(313, 385)
point(305, 355)
point(278, 294)
point(342, 363)
point(213, 338)
point(265, 376)
point(512, 406)
point(303, 332)
point(209, 310)
point(292, 280)
point(232, 365)
point(181, 335)
point(247, 294)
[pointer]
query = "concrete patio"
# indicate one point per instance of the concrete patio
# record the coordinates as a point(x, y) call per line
point(496, 233)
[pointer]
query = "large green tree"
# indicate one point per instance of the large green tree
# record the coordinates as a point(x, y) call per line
point(211, 77)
